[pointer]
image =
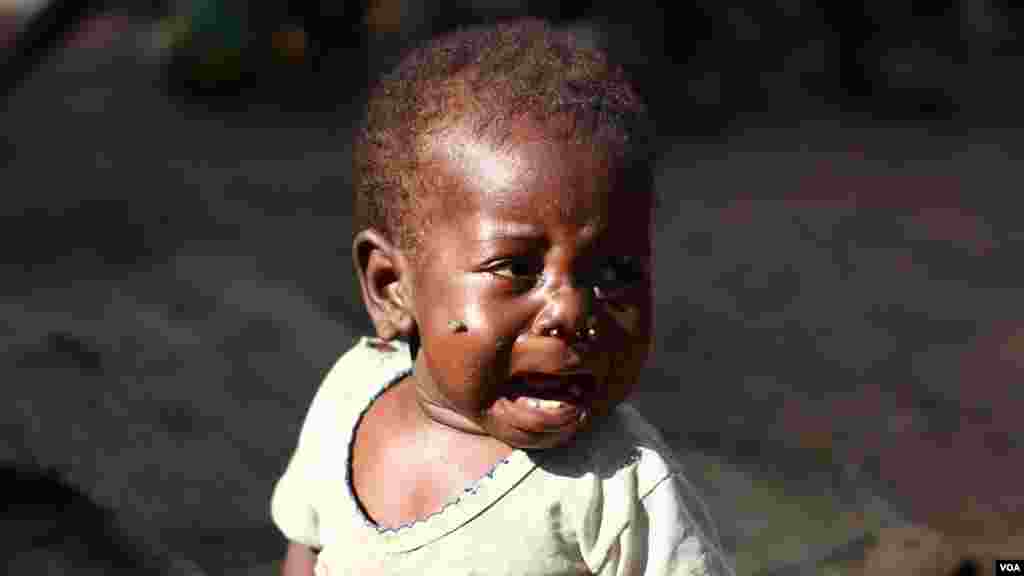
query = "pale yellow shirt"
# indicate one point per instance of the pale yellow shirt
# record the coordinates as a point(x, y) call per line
point(612, 502)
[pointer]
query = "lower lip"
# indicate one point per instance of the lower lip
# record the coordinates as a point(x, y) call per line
point(546, 420)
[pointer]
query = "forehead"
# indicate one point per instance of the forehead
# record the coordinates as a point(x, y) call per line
point(535, 176)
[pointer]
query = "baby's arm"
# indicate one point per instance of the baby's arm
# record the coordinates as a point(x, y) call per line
point(300, 560)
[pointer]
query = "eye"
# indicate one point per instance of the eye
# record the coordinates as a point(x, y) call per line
point(615, 274)
point(520, 270)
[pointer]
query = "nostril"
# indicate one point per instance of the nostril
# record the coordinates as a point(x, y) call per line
point(571, 306)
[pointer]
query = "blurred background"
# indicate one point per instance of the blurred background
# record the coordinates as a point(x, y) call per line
point(840, 330)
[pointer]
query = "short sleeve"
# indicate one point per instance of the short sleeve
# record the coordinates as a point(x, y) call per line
point(301, 495)
point(291, 505)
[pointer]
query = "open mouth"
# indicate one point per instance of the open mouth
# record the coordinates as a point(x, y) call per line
point(548, 401)
point(553, 387)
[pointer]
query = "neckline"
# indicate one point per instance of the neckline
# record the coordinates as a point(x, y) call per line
point(474, 499)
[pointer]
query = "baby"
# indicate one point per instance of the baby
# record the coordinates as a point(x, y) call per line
point(505, 202)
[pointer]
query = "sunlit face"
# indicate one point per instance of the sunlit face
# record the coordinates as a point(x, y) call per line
point(531, 241)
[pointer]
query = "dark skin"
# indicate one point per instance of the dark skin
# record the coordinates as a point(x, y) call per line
point(534, 235)
point(527, 243)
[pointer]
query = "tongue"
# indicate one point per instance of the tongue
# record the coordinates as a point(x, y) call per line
point(548, 388)
point(560, 395)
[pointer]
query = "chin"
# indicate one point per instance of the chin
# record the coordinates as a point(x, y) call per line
point(527, 440)
point(545, 444)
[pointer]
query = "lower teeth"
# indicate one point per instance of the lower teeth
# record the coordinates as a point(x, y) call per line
point(544, 404)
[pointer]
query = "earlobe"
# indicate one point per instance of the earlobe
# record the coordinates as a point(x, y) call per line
point(382, 271)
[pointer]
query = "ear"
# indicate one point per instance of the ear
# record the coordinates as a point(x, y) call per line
point(384, 275)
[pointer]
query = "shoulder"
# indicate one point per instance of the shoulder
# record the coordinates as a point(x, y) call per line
point(365, 367)
point(621, 459)
point(626, 444)
point(627, 498)
point(345, 391)
point(310, 479)
point(368, 363)
point(656, 461)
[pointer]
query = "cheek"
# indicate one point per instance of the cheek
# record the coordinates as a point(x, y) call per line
point(628, 319)
point(632, 316)
point(466, 364)
point(632, 325)
point(488, 341)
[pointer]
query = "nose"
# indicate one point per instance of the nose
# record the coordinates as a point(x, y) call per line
point(567, 311)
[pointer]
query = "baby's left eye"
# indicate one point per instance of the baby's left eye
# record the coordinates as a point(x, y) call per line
point(617, 272)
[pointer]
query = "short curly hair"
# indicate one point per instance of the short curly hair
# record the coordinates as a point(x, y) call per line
point(501, 73)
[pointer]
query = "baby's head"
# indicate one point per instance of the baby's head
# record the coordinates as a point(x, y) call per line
point(504, 207)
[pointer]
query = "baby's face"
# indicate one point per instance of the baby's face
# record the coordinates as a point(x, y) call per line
point(531, 241)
